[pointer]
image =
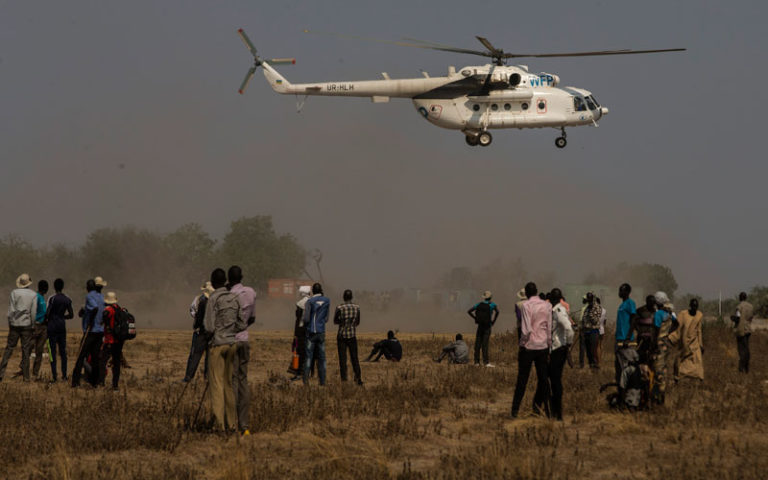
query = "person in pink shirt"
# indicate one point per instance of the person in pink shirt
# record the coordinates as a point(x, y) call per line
point(535, 345)
point(246, 296)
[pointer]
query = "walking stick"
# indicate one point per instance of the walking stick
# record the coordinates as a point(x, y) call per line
point(186, 384)
point(200, 405)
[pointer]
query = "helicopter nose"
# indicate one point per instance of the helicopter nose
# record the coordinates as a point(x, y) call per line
point(604, 111)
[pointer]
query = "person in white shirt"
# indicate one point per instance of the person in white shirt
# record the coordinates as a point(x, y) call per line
point(21, 317)
point(562, 338)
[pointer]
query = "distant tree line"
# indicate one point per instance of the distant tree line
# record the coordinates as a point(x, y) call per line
point(136, 259)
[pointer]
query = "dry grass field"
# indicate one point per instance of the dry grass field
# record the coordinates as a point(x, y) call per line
point(412, 420)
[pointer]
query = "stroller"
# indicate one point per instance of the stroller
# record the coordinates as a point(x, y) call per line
point(633, 389)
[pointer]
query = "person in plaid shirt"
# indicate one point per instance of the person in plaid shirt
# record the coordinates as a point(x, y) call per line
point(347, 317)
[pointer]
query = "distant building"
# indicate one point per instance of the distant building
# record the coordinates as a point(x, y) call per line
point(285, 287)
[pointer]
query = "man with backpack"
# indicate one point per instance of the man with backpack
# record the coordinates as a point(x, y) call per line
point(484, 314)
point(115, 326)
point(223, 318)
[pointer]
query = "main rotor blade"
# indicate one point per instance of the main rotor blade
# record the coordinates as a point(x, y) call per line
point(410, 43)
point(248, 77)
point(487, 44)
point(247, 42)
point(591, 54)
point(282, 61)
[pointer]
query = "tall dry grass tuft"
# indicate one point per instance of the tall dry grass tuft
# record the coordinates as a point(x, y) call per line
point(412, 420)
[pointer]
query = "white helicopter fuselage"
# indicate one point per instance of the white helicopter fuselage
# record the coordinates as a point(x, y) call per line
point(473, 99)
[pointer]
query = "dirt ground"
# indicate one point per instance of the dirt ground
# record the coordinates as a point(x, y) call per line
point(413, 419)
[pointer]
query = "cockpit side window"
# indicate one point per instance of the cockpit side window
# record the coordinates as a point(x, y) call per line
point(590, 103)
point(578, 104)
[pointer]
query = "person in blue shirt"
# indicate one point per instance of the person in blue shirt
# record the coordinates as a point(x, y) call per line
point(624, 317)
point(484, 314)
point(315, 317)
point(40, 335)
point(93, 329)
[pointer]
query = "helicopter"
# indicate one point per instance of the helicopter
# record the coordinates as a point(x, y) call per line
point(473, 99)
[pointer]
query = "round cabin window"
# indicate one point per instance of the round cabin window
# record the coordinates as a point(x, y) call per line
point(476, 107)
point(542, 105)
point(507, 106)
point(524, 106)
point(494, 107)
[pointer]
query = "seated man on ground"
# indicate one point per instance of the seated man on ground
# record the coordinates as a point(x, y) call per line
point(390, 348)
point(457, 352)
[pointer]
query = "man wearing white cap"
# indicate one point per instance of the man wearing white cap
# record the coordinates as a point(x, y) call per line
point(93, 328)
point(21, 315)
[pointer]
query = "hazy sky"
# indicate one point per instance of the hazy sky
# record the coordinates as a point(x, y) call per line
point(674, 174)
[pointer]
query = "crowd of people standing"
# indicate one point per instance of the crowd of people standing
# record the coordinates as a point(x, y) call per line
point(40, 325)
point(658, 337)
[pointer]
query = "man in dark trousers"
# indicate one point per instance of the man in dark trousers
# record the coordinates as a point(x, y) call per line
point(246, 296)
point(93, 329)
point(347, 317)
point(199, 336)
point(485, 314)
point(742, 328)
point(59, 311)
point(390, 348)
point(315, 318)
point(113, 345)
point(535, 344)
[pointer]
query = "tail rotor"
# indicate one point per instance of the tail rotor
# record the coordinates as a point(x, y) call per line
point(257, 62)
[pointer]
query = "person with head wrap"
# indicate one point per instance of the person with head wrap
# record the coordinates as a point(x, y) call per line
point(300, 333)
point(664, 322)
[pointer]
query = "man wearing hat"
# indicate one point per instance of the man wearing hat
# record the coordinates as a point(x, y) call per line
point(21, 316)
point(199, 335)
point(93, 328)
point(484, 314)
point(113, 347)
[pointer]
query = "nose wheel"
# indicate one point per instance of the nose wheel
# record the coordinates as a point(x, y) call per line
point(483, 139)
point(561, 142)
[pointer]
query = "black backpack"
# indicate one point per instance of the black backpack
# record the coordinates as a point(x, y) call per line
point(125, 325)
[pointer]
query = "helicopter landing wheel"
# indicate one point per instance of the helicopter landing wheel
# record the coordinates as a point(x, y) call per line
point(471, 140)
point(484, 139)
point(561, 142)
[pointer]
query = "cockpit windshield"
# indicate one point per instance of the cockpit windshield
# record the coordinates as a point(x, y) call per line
point(590, 103)
point(578, 104)
point(594, 100)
